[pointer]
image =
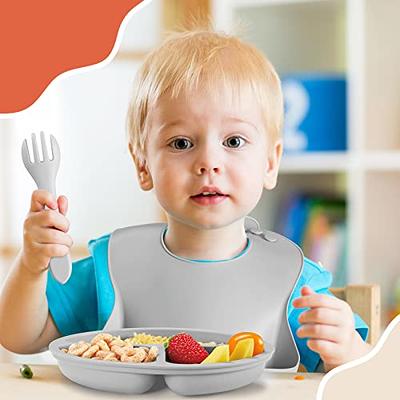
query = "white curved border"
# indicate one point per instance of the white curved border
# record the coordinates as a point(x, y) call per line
point(98, 65)
point(362, 360)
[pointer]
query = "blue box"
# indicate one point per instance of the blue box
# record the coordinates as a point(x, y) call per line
point(315, 113)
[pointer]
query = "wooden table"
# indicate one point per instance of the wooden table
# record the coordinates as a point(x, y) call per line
point(49, 383)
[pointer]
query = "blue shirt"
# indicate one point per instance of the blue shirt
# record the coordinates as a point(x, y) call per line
point(85, 302)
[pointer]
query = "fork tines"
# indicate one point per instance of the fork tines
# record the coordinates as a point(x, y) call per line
point(35, 148)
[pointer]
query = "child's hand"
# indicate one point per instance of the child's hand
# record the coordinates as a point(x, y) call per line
point(45, 231)
point(329, 325)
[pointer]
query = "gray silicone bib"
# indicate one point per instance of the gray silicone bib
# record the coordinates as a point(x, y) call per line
point(154, 288)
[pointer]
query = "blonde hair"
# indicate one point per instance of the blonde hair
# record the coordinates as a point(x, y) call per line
point(213, 60)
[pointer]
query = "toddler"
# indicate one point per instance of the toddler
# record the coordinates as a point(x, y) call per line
point(204, 128)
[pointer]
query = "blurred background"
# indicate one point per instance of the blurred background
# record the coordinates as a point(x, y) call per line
point(339, 184)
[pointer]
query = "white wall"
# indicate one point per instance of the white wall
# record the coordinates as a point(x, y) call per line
point(98, 173)
point(144, 28)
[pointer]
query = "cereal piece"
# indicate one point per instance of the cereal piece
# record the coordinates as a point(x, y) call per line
point(299, 378)
point(152, 354)
point(102, 336)
point(118, 350)
point(110, 357)
point(103, 345)
point(104, 353)
point(91, 351)
point(128, 350)
point(117, 342)
point(125, 358)
point(64, 350)
point(77, 349)
point(139, 355)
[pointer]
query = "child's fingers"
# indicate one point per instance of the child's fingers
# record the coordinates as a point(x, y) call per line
point(49, 219)
point(321, 331)
point(321, 315)
point(318, 300)
point(329, 351)
point(54, 250)
point(306, 291)
point(40, 199)
point(52, 236)
point(62, 205)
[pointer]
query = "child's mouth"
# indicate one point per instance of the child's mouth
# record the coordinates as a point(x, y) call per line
point(208, 198)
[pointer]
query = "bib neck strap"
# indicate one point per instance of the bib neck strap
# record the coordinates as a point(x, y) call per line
point(203, 261)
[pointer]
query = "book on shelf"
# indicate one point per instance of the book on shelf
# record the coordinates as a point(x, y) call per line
point(318, 225)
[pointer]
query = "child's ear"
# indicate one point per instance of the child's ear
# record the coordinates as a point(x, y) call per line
point(142, 171)
point(274, 159)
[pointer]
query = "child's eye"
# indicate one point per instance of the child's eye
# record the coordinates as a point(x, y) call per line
point(181, 144)
point(234, 142)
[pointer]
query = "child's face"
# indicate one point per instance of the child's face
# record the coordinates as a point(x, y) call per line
point(197, 144)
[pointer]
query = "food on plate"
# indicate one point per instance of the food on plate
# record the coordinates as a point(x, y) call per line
point(144, 338)
point(219, 354)
point(183, 349)
point(243, 349)
point(26, 371)
point(258, 341)
point(240, 345)
point(105, 337)
point(107, 347)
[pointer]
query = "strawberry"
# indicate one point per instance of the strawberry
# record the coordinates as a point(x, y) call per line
point(183, 349)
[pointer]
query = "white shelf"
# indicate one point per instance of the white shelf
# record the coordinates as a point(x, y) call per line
point(318, 162)
point(341, 162)
point(388, 160)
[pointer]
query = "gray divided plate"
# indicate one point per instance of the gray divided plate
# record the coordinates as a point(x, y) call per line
point(184, 379)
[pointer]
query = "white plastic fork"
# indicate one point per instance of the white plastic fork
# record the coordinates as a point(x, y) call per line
point(44, 173)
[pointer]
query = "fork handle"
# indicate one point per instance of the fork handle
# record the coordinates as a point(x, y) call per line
point(60, 267)
point(48, 186)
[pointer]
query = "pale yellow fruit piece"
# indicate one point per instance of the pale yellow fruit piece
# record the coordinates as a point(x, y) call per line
point(243, 349)
point(219, 354)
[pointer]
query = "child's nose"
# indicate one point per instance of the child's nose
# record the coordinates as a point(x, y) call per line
point(205, 170)
point(208, 162)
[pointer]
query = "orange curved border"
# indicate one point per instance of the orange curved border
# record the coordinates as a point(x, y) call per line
point(41, 39)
